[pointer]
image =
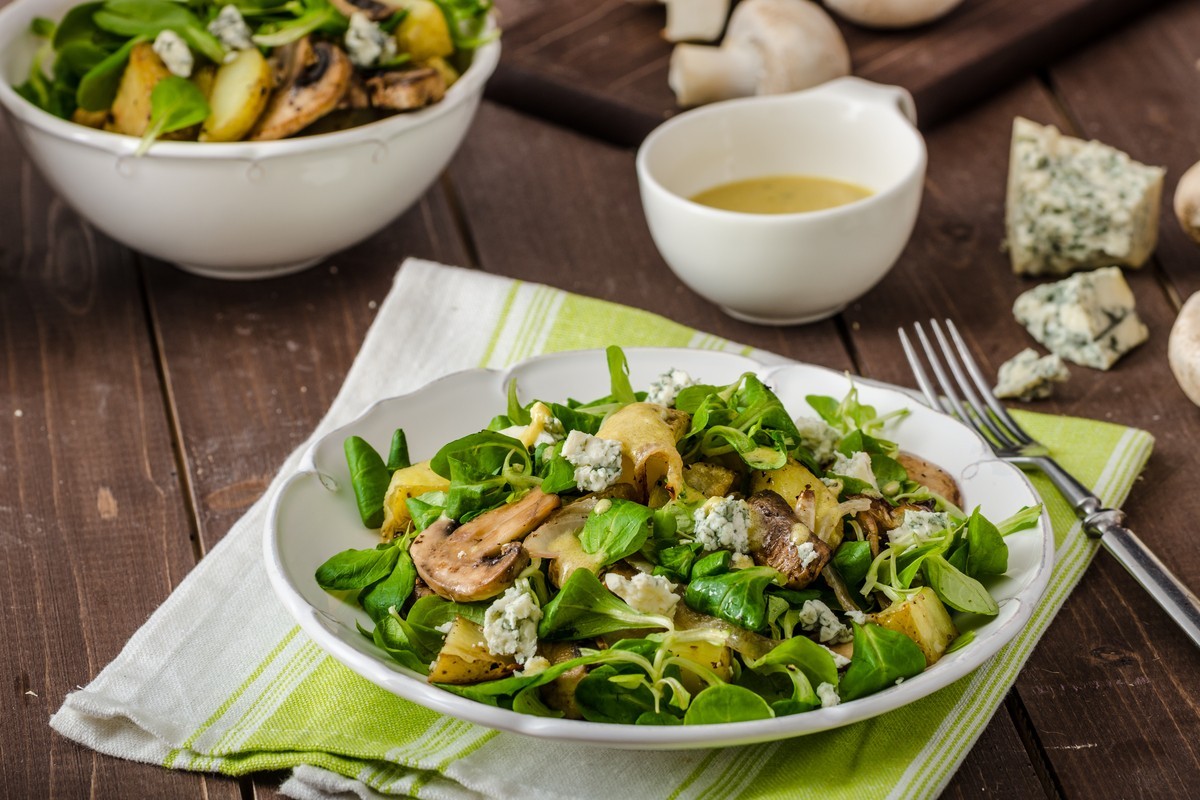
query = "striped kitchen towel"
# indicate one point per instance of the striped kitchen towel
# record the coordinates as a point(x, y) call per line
point(221, 679)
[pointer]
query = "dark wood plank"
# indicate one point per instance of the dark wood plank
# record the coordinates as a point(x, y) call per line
point(252, 368)
point(997, 766)
point(93, 531)
point(1113, 681)
point(1138, 91)
point(601, 67)
point(579, 226)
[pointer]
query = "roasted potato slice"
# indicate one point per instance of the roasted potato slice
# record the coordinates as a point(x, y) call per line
point(131, 106)
point(464, 658)
point(923, 619)
point(239, 95)
point(408, 482)
point(424, 33)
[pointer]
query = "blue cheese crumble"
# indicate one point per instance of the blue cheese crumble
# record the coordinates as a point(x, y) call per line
point(1077, 205)
point(597, 462)
point(857, 466)
point(668, 386)
point(1088, 318)
point(1027, 376)
point(807, 553)
point(819, 437)
point(819, 618)
point(918, 527)
point(174, 53)
point(231, 31)
point(543, 428)
point(510, 623)
point(366, 43)
point(649, 594)
point(828, 695)
point(723, 523)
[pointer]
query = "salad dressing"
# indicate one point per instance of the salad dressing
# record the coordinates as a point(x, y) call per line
point(781, 194)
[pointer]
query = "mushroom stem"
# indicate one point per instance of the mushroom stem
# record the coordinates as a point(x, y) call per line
point(695, 20)
point(701, 74)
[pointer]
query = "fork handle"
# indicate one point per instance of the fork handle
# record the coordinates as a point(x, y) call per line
point(1168, 591)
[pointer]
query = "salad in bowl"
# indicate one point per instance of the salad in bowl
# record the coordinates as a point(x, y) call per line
point(685, 555)
point(257, 70)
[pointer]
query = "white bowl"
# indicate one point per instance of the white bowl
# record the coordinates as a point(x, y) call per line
point(782, 269)
point(313, 516)
point(237, 210)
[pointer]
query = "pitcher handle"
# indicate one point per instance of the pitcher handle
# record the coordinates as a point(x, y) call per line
point(873, 93)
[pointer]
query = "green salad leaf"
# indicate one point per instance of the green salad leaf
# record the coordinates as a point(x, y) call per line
point(583, 608)
point(881, 657)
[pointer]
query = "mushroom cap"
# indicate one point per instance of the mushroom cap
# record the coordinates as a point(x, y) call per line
point(1183, 348)
point(797, 43)
point(314, 77)
point(775, 537)
point(1187, 202)
point(891, 13)
point(481, 558)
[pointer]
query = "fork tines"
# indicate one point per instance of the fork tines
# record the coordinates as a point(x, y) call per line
point(963, 391)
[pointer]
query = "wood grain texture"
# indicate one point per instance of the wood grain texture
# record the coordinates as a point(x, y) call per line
point(601, 67)
point(1113, 676)
point(1152, 65)
point(579, 226)
point(593, 240)
point(253, 367)
point(89, 495)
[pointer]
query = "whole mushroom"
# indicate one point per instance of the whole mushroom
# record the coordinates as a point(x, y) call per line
point(1183, 348)
point(770, 47)
point(1187, 202)
point(891, 13)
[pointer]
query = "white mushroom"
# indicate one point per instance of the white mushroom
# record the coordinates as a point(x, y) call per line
point(891, 13)
point(771, 47)
point(1183, 348)
point(1187, 202)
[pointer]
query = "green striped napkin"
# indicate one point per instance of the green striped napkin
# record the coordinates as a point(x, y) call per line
point(221, 679)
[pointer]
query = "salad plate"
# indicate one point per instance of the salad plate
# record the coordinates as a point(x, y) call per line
point(314, 516)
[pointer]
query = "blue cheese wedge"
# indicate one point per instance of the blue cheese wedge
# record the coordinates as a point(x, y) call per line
point(1028, 376)
point(1076, 205)
point(1088, 319)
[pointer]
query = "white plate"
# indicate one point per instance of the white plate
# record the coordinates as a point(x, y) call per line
point(314, 516)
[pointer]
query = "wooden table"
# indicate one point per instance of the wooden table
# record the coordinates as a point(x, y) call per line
point(142, 410)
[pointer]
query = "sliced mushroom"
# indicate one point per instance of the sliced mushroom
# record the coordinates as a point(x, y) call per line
point(930, 476)
point(556, 538)
point(481, 558)
point(356, 96)
point(315, 76)
point(880, 518)
point(779, 540)
point(375, 11)
point(559, 693)
point(406, 89)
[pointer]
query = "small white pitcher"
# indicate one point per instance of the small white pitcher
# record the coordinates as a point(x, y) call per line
point(782, 269)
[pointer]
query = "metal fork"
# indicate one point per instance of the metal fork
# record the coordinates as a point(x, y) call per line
point(965, 393)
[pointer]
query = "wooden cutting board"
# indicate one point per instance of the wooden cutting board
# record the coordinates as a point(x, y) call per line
point(600, 66)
